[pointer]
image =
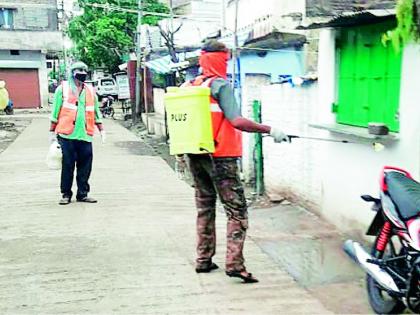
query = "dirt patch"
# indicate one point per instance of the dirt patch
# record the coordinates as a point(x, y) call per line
point(137, 148)
point(10, 128)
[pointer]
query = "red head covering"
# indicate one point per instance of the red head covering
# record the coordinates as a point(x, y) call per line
point(214, 64)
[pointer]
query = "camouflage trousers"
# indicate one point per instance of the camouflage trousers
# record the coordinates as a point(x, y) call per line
point(220, 176)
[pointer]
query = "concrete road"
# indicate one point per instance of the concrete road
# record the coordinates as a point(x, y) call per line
point(132, 253)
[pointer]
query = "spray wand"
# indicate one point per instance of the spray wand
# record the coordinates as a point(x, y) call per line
point(376, 145)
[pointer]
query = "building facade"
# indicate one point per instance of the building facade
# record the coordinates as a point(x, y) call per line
point(28, 32)
point(348, 92)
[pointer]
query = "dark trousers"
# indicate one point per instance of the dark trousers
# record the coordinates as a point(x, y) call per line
point(212, 177)
point(75, 154)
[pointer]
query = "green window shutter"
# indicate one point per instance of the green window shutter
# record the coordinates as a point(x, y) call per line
point(369, 78)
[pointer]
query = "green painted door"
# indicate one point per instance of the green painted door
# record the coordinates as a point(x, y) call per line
point(369, 78)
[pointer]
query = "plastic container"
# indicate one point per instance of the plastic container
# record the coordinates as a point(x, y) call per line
point(54, 156)
point(189, 120)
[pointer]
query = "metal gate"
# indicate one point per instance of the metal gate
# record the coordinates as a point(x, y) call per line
point(23, 87)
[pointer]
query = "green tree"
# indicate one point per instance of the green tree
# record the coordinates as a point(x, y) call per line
point(102, 36)
point(408, 27)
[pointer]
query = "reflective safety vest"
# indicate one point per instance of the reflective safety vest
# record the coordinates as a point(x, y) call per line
point(68, 111)
point(227, 139)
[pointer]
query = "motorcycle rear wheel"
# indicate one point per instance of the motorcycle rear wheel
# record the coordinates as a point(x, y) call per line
point(111, 112)
point(108, 112)
point(379, 300)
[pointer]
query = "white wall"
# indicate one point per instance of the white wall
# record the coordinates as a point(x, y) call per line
point(251, 91)
point(158, 96)
point(205, 19)
point(329, 177)
point(250, 10)
point(292, 170)
point(352, 170)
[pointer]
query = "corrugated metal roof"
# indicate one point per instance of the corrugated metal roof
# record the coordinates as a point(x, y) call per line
point(354, 19)
point(165, 64)
point(229, 39)
point(337, 7)
point(276, 40)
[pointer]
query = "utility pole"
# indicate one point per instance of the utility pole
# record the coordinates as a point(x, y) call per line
point(223, 15)
point(236, 61)
point(138, 66)
point(62, 25)
point(235, 46)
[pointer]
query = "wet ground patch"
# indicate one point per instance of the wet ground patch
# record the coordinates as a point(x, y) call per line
point(10, 128)
point(309, 249)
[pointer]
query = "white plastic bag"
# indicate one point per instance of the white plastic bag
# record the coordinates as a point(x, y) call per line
point(54, 156)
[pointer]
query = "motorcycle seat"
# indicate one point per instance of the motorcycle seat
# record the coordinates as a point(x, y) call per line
point(405, 193)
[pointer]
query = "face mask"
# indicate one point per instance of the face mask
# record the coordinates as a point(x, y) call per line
point(80, 76)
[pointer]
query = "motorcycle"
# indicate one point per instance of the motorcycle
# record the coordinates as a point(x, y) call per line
point(393, 264)
point(9, 108)
point(106, 109)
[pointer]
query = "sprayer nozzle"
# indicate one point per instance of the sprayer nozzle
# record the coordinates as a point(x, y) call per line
point(378, 147)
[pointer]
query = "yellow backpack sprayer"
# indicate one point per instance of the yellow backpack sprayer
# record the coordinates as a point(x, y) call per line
point(189, 120)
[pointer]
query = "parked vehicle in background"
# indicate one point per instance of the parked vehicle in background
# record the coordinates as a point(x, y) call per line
point(105, 87)
point(106, 107)
point(393, 265)
point(9, 108)
point(123, 87)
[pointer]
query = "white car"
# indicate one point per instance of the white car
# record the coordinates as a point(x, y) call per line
point(106, 87)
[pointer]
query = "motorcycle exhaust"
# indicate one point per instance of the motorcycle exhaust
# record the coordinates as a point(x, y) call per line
point(357, 253)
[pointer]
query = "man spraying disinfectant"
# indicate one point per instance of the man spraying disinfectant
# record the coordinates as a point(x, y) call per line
point(212, 140)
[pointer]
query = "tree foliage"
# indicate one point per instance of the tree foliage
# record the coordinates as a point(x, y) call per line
point(102, 36)
point(407, 25)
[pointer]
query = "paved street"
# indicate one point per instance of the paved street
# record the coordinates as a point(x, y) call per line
point(133, 252)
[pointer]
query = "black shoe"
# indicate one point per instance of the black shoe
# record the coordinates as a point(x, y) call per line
point(244, 275)
point(207, 269)
point(64, 201)
point(87, 199)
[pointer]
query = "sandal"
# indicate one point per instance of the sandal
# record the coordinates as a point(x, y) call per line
point(207, 269)
point(244, 275)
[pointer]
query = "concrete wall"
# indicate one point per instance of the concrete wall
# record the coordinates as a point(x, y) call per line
point(251, 91)
point(29, 60)
point(35, 33)
point(328, 177)
point(351, 170)
point(33, 14)
point(31, 40)
point(205, 20)
point(292, 170)
point(257, 73)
